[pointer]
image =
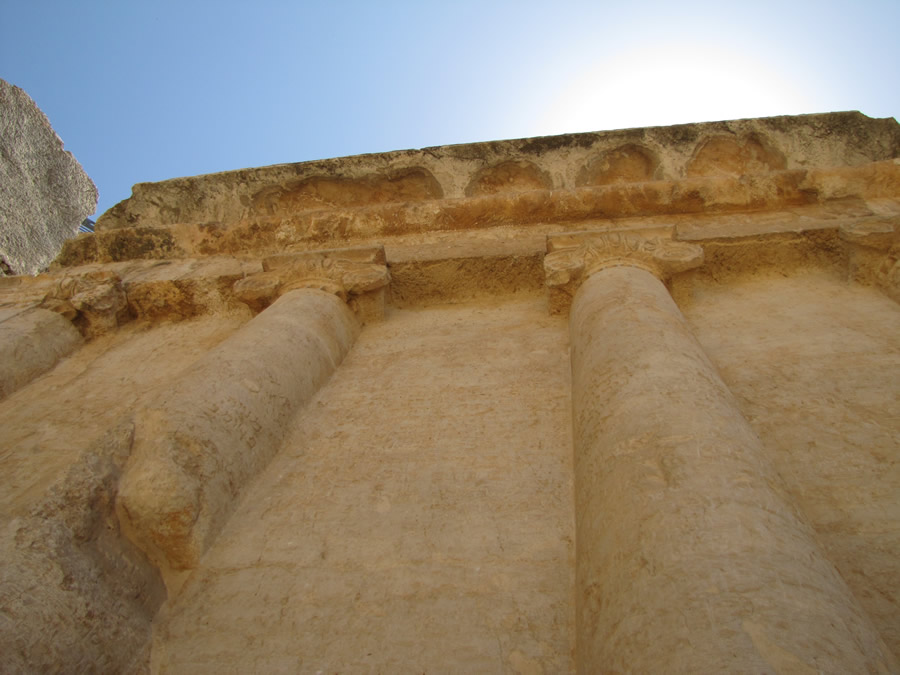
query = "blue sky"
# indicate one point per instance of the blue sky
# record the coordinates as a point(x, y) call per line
point(143, 91)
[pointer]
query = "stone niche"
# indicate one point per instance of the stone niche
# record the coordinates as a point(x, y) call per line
point(629, 163)
point(609, 402)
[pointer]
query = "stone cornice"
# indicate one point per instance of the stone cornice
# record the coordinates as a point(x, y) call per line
point(749, 151)
point(250, 232)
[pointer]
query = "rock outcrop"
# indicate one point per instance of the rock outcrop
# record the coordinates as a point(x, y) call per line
point(44, 192)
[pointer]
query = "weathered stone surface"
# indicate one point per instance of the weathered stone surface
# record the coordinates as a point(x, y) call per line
point(68, 572)
point(75, 595)
point(94, 301)
point(379, 223)
point(813, 363)
point(44, 192)
point(419, 522)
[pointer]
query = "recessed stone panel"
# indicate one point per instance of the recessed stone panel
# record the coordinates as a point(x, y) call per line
point(735, 156)
point(515, 175)
point(628, 163)
point(316, 192)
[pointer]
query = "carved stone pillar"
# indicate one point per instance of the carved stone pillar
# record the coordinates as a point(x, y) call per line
point(220, 423)
point(690, 556)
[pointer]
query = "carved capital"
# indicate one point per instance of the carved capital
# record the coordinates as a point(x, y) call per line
point(95, 302)
point(353, 274)
point(572, 258)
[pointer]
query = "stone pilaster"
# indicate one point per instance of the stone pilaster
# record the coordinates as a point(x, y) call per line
point(690, 555)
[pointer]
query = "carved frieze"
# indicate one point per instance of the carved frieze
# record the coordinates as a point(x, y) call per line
point(572, 258)
point(358, 276)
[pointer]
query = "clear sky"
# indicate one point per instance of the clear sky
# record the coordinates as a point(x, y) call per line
point(143, 91)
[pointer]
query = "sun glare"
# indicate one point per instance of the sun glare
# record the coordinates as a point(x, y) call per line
point(670, 86)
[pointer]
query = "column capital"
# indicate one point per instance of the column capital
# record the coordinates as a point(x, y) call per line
point(349, 273)
point(574, 256)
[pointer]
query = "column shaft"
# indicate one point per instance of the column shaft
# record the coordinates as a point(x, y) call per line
point(221, 421)
point(690, 556)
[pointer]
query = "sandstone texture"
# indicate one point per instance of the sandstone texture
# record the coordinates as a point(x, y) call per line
point(622, 401)
point(44, 193)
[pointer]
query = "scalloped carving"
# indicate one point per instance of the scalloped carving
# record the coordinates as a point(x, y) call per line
point(735, 156)
point(514, 175)
point(629, 163)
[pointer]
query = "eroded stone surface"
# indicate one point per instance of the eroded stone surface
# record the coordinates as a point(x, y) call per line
point(834, 139)
point(678, 513)
point(572, 258)
point(74, 594)
point(357, 275)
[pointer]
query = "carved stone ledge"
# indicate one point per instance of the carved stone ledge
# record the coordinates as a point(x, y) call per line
point(573, 257)
point(359, 276)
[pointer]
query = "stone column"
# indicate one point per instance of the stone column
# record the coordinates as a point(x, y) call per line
point(690, 556)
point(32, 341)
point(206, 435)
